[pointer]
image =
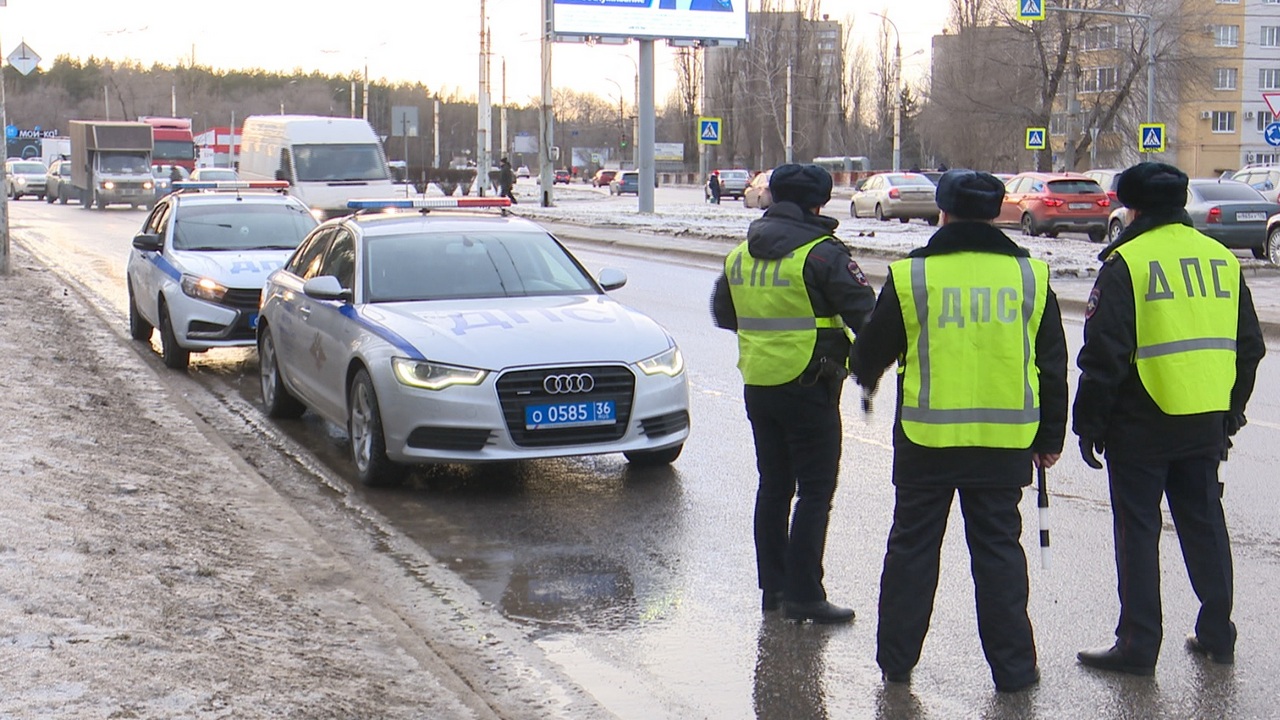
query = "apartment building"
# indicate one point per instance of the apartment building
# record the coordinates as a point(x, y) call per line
point(1222, 116)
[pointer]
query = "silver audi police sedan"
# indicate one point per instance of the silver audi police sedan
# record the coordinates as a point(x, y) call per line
point(439, 336)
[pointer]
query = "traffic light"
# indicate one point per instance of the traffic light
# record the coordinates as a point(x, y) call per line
point(624, 141)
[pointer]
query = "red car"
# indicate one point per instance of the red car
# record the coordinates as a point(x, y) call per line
point(603, 178)
point(562, 176)
point(1048, 203)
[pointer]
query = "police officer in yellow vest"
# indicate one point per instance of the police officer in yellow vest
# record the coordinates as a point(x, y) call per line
point(792, 293)
point(982, 397)
point(1172, 344)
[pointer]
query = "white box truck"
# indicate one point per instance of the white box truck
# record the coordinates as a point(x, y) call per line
point(326, 160)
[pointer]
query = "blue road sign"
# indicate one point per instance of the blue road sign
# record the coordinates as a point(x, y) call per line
point(1272, 133)
point(1151, 137)
point(1031, 9)
point(709, 131)
point(11, 131)
point(1036, 138)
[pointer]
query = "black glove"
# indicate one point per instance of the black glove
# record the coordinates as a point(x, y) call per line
point(1087, 448)
point(1235, 422)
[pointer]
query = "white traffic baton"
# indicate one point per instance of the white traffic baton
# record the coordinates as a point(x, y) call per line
point(1042, 502)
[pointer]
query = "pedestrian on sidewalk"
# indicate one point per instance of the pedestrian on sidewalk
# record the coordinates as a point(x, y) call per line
point(982, 398)
point(713, 187)
point(791, 291)
point(507, 180)
point(1171, 350)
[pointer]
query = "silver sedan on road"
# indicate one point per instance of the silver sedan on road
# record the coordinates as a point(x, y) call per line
point(464, 337)
point(896, 195)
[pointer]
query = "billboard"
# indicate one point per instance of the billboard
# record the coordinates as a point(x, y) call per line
point(674, 19)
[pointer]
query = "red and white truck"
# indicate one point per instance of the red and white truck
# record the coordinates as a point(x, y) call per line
point(173, 143)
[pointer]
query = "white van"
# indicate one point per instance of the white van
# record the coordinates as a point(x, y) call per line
point(327, 160)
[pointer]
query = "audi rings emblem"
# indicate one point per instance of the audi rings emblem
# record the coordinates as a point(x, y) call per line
point(566, 384)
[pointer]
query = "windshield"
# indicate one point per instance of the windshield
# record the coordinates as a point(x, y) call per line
point(482, 264)
point(337, 163)
point(174, 150)
point(1227, 191)
point(241, 226)
point(216, 174)
point(124, 163)
point(28, 168)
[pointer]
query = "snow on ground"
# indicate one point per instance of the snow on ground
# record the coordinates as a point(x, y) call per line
point(1069, 254)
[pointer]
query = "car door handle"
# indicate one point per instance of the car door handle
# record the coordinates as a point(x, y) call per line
point(305, 312)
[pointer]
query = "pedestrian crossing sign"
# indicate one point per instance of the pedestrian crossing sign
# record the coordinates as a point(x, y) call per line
point(1151, 137)
point(708, 131)
point(1030, 9)
point(1037, 138)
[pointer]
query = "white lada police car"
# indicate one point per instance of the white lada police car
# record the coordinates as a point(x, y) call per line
point(198, 265)
point(464, 337)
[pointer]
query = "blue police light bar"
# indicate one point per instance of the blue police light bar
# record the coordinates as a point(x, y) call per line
point(428, 203)
point(230, 184)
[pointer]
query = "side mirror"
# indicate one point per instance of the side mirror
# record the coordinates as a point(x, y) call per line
point(147, 241)
point(612, 279)
point(325, 287)
point(281, 176)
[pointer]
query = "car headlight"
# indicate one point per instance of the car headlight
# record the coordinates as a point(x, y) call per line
point(146, 185)
point(162, 184)
point(19, 180)
point(435, 376)
point(203, 288)
point(670, 363)
point(108, 185)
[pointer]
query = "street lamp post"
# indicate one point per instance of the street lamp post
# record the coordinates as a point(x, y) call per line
point(897, 92)
point(621, 125)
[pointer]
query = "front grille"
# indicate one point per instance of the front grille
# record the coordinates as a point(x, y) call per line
point(521, 388)
point(448, 438)
point(243, 299)
point(660, 425)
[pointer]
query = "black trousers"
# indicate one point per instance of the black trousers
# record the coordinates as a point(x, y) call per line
point(1191, 487)
point(797, 436)
point(993, 530)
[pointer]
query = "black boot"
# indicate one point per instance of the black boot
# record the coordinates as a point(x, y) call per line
point(819, 611)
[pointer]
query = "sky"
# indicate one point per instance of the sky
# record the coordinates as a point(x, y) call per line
point(435, 42)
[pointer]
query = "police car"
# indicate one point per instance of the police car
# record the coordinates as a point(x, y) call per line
point(464, 337)
point(199, 262)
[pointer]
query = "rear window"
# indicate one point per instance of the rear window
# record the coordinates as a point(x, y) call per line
point(904, 180)
point(1074, 187)
point(734, 174)
point(1227, 191)
point(630, 176)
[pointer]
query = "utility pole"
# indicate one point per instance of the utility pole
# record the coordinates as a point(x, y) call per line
point(366, 90)
point(503, 113)
point(435, 135)
point(790, 145)
point(482, 109)
point(546, 120)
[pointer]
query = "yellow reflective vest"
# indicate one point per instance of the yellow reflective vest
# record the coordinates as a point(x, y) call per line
point(1186, 301)
point(969, 375)
point(777, 328)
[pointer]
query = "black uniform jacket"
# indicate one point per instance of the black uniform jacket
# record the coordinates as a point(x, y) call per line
point(884, 338)
point(1111, 403)
point(836, 284)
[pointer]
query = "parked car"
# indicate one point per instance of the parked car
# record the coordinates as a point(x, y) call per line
point(24, 177)
point(733, 183)
point(214, 174)
point(1263, 178)
point(603, 177)
point(1228, 211)
point(1107, 178)
point(378, 323)
point(896, 195)
point(1048, 203)
point(561, 176)
point(625, 182)
point(57, 183)
point(757, 194)
point(198, 264)
point(522, 171)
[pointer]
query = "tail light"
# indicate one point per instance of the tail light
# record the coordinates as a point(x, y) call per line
point(1112, 195)
point(1104, 202)
point(1054, 202)
point(894, 193)
point(1214, 216)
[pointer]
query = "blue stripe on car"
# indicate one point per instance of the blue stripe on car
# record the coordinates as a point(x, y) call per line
point(166, 267)
point(382, 331)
